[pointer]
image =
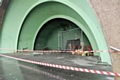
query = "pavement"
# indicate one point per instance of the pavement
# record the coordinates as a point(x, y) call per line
point(28, 71)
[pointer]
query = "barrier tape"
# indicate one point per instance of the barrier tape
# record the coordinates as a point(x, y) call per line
point(53, 51)
point(39, 71)
point(43, 72)
point(65, 67)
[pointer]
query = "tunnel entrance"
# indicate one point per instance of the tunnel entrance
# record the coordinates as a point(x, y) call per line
point(60, 34)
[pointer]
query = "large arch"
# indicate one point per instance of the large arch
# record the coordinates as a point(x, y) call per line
point(37, 13)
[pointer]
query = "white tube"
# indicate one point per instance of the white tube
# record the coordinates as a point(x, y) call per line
point(115, 48)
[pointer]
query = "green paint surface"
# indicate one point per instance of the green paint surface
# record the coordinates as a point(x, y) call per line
point(11, 69)
point(24, 20)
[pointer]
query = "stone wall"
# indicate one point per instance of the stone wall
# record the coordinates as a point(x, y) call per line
point(108, 15)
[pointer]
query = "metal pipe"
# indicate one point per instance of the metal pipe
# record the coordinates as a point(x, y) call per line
point(115, 48)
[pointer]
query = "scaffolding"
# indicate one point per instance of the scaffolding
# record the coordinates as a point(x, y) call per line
point(69, 35)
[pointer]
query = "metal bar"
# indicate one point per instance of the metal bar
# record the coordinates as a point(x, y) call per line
point(115, 48)
point(70, 30)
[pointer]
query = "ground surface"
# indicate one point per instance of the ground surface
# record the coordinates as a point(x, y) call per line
point(29, 71)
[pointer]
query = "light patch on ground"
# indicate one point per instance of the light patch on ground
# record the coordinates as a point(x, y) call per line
point(82, 62)
point(109, 78)
point(60, 57)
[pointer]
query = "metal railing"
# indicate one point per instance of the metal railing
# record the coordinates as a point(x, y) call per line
point(115, 49)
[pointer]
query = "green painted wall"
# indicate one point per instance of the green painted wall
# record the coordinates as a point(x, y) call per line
point(24, 19)
point(40, 13)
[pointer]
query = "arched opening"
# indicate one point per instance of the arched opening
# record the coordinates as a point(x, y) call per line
point(39, 17)
point(58, 34)
point(39, 23)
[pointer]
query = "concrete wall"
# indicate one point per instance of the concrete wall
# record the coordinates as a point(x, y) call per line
point(108, 15)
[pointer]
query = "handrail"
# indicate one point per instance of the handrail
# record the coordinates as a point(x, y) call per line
point(116, 49)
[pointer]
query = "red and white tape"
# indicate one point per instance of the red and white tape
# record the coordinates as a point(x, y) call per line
point(43, 72)
point(65, 67)
point(39, 71)
point(52, 51)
